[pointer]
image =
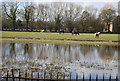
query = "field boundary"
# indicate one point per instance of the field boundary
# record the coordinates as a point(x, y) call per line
point(60, 39)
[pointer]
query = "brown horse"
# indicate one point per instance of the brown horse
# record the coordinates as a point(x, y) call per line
point(75, 32)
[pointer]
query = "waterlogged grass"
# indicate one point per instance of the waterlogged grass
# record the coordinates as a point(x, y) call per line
point(57, 42)
point(82, 36)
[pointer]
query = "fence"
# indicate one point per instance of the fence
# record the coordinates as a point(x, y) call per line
point(11, 77)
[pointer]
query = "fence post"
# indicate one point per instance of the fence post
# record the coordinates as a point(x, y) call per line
point(44, 76)
point(57, 76)
point(31, 75)
point(110, 78)
point(7, 76)
point(83, 77)
point(63, 76)
point(70, 76)
point(90, 77)
point(25, 75)
point(103, 76)
point(51, 76)
point(97, 77)
point(38, 75)
point(76, 76)
point(116, 78)
point(13, 74)
point(19, 75)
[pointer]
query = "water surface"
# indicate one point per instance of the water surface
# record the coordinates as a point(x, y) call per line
point(71, 58)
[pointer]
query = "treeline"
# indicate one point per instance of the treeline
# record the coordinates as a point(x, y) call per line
point(56, 15)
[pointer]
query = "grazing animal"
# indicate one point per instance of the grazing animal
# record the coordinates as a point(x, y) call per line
point(75, 32)
point(61, 31)
point(97, 34)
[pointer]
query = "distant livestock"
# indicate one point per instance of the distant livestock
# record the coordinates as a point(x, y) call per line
point(75, 32)
point(61, 31)
point(97, 34)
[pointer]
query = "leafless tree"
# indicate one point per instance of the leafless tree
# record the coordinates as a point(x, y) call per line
point(29, 11)
point(10, 9)
point(71, 14)
point(107, 15)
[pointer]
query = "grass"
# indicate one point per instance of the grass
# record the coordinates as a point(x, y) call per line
point(82, 36)
point(56, 42)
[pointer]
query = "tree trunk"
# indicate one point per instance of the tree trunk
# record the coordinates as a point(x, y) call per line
point(27, 25)
point(13, 25)
point(108, 27)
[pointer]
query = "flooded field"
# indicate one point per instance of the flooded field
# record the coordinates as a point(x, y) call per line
point(94, 59)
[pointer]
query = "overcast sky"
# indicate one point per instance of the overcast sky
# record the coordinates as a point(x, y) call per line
point(64, 0)
point(95, 3)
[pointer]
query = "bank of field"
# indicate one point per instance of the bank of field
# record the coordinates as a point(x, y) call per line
point(8, 36)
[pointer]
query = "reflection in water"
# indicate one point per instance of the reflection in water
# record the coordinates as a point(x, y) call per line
point(106, 54)
point(79, 58)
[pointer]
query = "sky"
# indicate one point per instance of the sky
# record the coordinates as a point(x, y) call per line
point(95, 3)
point(63, 0)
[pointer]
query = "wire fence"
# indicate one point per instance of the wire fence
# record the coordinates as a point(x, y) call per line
point(17, 75)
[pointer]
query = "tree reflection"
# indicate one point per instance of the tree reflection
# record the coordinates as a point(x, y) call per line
point(106, 53)
point(28, 50)
point(12, 48)
point(86, 49)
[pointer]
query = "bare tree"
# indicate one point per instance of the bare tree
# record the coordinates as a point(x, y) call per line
point(88, 16)
point(72, 14)
point(107, 16)
point(59, 14)
point(42, 15)
point(28, 13)
point(10, 9)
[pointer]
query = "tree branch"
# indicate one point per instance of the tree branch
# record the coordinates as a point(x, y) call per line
point(6, 12)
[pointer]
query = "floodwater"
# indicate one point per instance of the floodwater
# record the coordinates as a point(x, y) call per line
point(94, 59)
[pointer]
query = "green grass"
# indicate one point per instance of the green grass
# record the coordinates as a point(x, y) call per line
point(82, 36)
point(57, 42)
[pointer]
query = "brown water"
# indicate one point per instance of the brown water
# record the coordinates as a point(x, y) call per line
point(73, 58)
